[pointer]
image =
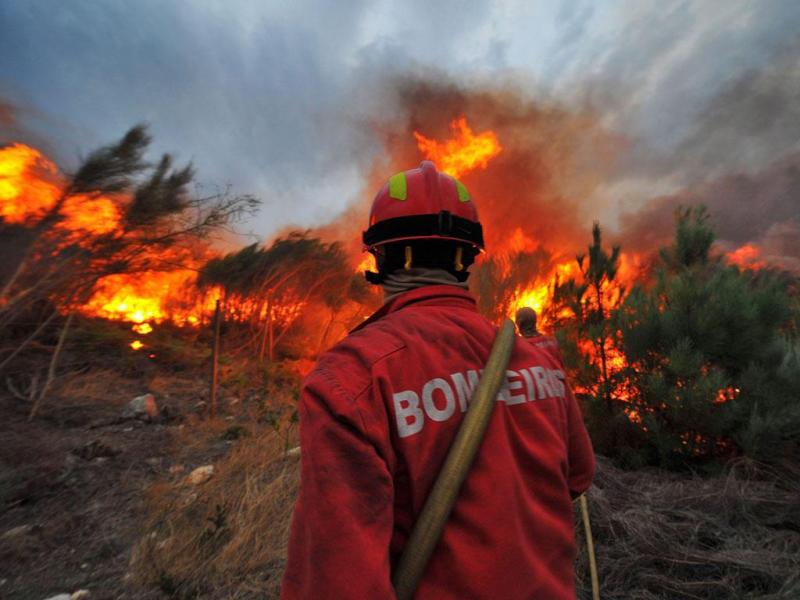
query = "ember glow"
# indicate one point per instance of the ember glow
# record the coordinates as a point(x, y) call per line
point(464, 152)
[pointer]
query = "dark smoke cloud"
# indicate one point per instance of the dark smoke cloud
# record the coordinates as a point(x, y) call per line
point(762, 207)
point(749, 120)
point(752, 119)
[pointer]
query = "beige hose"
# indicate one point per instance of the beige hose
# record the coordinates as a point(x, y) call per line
point(428, 528)
point(587, 526)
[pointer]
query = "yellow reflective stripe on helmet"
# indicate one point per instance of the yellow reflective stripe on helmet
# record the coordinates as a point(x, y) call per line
point(463, 193)
point(398, 188)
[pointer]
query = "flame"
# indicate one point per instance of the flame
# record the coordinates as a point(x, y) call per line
point(26, 189)
point(464, 152)
point(538, 295)
point(367, 264)
point(151, 297)
point(746, 257)
point(726, 394)
point(136, 345)
point(30, 187)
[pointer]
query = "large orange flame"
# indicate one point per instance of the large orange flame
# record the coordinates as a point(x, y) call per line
point(26, 186)
point(465, 152)
point(31, 187)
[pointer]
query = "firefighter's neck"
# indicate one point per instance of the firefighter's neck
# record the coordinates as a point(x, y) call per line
point(400, 281)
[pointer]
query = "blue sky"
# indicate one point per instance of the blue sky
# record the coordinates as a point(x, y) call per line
point(280, 99)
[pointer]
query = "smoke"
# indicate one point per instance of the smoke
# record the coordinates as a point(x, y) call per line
point(752, 119)
point(605, 112)
point(761, 207)
point(531, 194)
point(6, 116)
point(741, 159)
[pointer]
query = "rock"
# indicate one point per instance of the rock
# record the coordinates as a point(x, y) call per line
point(200, 475)
point(80, 595)
point(176, 469)
point(60, 597)
point(142, 407)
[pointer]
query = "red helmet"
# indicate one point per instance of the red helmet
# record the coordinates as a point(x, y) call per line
point(422, 204)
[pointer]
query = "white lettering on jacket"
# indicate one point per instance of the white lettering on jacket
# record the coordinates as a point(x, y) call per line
point(410, 419)
point(439, 396)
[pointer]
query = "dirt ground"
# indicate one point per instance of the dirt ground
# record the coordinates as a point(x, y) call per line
point(72, 483)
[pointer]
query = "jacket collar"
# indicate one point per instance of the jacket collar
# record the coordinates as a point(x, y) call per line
point(429, 295)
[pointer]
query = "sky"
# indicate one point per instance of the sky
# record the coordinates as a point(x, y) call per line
point(285, 100)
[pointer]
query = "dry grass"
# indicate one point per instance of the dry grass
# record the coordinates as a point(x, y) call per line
point(658, 534)
point(662, 535)
point(95, 387)
point(225, 538)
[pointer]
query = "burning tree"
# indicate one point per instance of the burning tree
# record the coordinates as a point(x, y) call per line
point(713, 361)
point(507, 281)
point(269, 289)
point(583, 309)
point(63, 235)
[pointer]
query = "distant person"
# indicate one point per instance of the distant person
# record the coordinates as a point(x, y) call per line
point(526, 320)
point(380, 410)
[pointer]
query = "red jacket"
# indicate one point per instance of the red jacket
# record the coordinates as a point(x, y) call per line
point(549, 344)
point(377, 416)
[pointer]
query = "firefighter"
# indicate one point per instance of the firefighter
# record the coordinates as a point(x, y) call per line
point(526, 320)
point(380, 410)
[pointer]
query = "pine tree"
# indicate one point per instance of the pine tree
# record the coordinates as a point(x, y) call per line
point(584, 311)
point(714, 372)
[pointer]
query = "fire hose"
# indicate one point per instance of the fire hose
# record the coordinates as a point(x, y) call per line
point(430, 524)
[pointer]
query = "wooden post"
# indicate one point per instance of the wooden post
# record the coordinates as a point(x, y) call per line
point(215, 361)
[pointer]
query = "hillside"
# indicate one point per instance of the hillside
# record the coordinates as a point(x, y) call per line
point(97, 502)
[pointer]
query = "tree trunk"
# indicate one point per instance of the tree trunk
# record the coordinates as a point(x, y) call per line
point(603, 338)
point(215, 361)
point(265, 333)
point(51, 371)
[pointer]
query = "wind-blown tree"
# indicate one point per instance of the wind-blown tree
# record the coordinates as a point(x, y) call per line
point(268, 288)
point(54, 268)
point(714, 365)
